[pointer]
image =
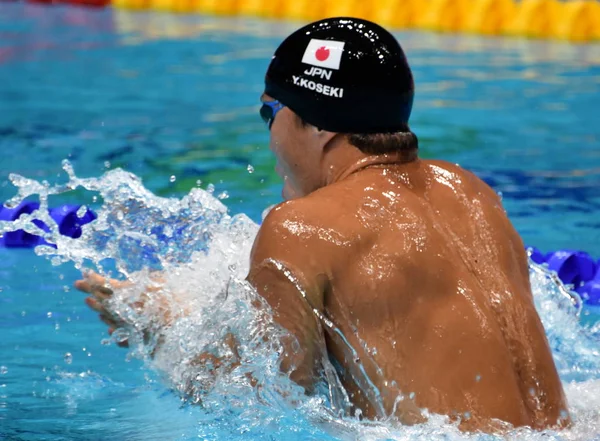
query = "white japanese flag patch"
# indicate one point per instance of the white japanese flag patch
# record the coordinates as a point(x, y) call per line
point(324, 53)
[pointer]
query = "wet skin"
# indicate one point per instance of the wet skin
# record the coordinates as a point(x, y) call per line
point(408, 275)
point(418, 266)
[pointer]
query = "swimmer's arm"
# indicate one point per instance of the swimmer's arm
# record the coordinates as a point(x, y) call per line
point(281, 263)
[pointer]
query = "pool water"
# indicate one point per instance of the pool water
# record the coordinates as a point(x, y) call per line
point(173, 99)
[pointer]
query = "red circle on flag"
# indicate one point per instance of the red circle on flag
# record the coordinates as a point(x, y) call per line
point(322, 53)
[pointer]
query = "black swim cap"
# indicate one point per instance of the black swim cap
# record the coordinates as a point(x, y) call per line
point(343, 75)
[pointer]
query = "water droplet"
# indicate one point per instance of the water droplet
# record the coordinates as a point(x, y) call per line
point(250, 168)
point(68, 358)
point(61, 276)
point(210, 188)
point(94, 198)
point(532, 391)
point(66, 288)
point(467, 415)
point(478, 378)
point(120, 335)
point(199, 182)
point(173, 178)
point(57, 326)
point(223, 195)
point(411, 395)
point(3, 370)
point(120, 215)
point(49, 314)
point(106, 164)
point(81, 211)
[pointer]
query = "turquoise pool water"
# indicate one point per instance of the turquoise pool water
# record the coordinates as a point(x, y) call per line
point(173, 99)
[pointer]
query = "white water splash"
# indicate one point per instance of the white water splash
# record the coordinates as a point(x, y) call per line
point(202, 254)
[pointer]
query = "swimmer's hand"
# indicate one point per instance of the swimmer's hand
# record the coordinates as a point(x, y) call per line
point(165, 311)
point(101, 290)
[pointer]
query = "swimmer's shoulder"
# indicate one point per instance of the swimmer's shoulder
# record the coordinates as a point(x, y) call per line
point(303, 214)
point(320, 221)
point(491, 203)
point(468, 179)
point(292, 235)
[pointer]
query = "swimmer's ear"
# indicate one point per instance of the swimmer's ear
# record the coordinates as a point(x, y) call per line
point(323, 136)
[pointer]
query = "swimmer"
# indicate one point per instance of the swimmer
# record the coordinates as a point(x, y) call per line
point(413, 260)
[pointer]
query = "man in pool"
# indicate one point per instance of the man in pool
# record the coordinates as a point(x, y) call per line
point(414, 261)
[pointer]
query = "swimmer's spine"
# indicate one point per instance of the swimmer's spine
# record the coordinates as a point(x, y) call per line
point(572, 20)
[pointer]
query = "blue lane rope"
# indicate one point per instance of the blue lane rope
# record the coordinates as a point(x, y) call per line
point(576, 268)
point(65, 216)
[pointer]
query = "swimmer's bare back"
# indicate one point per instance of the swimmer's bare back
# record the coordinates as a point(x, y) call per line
point(419, 268)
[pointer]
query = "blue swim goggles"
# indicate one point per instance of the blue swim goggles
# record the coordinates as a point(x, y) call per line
point(268, 111)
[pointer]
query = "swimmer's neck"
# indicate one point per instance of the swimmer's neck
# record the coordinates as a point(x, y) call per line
point(341, 162)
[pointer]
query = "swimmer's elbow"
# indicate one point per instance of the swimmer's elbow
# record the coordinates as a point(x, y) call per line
point(304, 376)
point(301, 360)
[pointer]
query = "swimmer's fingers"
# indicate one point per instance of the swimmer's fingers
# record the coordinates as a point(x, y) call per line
point(110, 322)
point(84, 286)
point(121, 344)
point(106, 286)
point(97, 306)
point(99, 291)
point(101, 309)
point(105, 314)
point(97, 279)
point(94, 283)
point(102, 288)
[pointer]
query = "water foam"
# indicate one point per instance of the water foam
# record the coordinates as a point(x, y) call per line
point(202, 253)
